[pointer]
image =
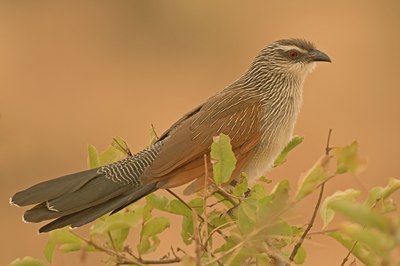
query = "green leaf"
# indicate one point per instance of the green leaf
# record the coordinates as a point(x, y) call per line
point(119, 236)
point(153, 135)
point(293, 143)
point(264, 179)
point(382, 193)
point(280, 193)
point(197, 205)
point(148, 236)
point(217, 218)
point(118, 225)
point(110, 155)
point(258, 191)
point(387, 205)
point(148, 244)
point(347, 159)
point(360, 251)
point(61, 237)
point(269, 205)
point(280, 228)
point(315, 177)
point(222, 158)
point(158, 202)
point(241, 257)
point(121, 145)
point(378, 243)
point(155, 226)
point(144, 245)
point(246, 218)
point(93, 157)
point(146, 212)
point(262, 259)
point(155, 243)
point(118, 221)
point(301, 255)
point(70, 247)
point(226, 246)
point(241, 187)
point(187, 230)
point(222, 200)
point(26, 261)
point(177, 207)
point(361, 214)
point(327, 213)
point(49, 248)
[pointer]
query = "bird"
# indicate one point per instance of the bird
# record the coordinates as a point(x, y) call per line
point(258, 112)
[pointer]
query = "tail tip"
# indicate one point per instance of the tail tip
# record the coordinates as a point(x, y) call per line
point(13, 203)
point(25, 221)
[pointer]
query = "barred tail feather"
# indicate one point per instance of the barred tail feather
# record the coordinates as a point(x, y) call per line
point(80, 198)
point(77, 199)
point(52, 189)
point(90, 214)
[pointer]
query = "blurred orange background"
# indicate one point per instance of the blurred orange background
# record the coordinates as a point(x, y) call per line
point(73, 74)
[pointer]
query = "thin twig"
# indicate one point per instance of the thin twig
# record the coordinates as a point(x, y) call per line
point(215, 203)
point(190, 208)
point(219, 228)
point(147, 262)
point(122, 260)
point(211, 262)
point(322, 232)
point(140, 261)
point(154, 131)
point(314, 215)
point(345, 259)
point(180, 199)
point(196, 235)
point(274, 253)
point(226, 195)
point(239, 245)
point(126, 149)
point(120, 257)
point(309, 226)
point(128, 250)
point(111, 241)
point(205, 196)
point(327, 147)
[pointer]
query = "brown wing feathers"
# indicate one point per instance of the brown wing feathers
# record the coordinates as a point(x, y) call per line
point(181, 158)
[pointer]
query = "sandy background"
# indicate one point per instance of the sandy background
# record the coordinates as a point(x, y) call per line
point(79, 74)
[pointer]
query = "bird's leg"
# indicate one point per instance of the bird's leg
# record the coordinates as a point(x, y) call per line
point(228, 196)
point(246, 193)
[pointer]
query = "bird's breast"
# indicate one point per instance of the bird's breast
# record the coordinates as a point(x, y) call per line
point(277, 126)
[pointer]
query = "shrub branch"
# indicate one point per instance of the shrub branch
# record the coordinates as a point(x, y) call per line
point(314, 215)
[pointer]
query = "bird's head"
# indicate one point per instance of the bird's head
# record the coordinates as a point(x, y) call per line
point(295, 57)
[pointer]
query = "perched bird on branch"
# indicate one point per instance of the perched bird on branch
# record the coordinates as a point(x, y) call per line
point(258, 111)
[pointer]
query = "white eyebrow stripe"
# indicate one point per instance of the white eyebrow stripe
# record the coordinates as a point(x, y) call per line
point(291, 47)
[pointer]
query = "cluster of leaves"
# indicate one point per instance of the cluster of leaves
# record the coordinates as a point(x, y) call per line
point(242, 224)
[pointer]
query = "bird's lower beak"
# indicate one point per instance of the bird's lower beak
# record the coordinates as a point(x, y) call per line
point(317, 55)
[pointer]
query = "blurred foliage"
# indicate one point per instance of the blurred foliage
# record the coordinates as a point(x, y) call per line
point(245, 224)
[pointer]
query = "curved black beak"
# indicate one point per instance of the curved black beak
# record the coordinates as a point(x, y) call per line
point(316, 55)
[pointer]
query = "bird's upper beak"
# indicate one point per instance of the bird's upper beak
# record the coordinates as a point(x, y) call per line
point(316, 55)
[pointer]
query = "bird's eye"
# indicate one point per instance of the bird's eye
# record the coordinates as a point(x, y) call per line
point(293, 54)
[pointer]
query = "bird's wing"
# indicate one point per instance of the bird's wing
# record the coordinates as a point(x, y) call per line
point(180, 160)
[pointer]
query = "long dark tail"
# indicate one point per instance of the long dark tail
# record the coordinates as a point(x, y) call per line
point(80, 198)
